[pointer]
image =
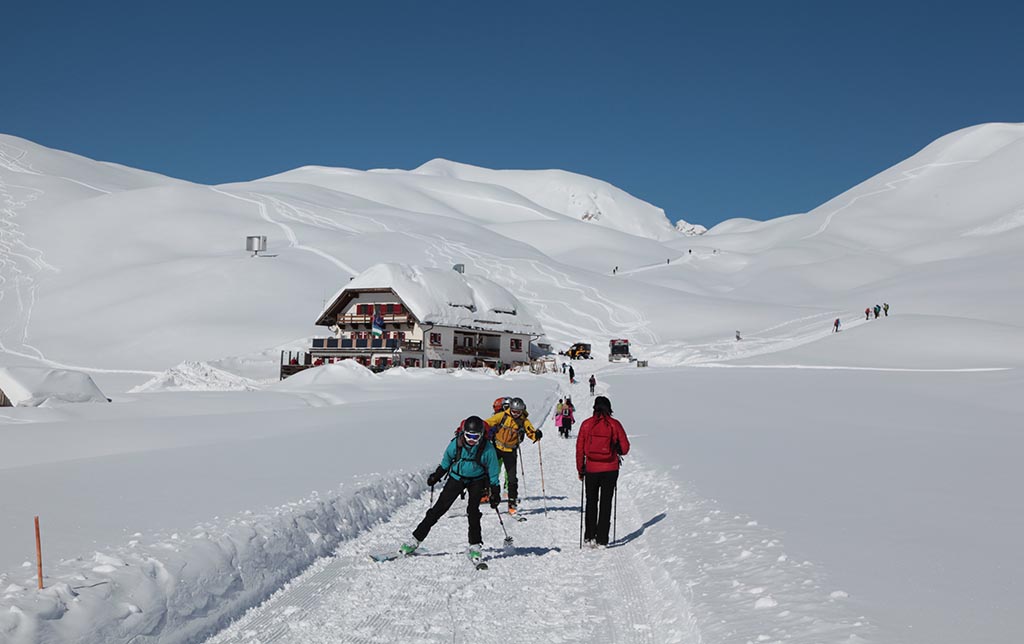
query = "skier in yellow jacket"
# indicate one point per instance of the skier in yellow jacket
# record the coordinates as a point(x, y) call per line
point(509, 426)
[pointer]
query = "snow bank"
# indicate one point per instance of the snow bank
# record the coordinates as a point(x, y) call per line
point(194, 375)
point(184, 587)
point(36, 386)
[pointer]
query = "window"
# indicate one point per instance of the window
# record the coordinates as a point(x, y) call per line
point(467, 341)
point(435, 339)
point(396, 309)
point(364, 309)
point(517, 345)
point(398, 335)
point(435, 364)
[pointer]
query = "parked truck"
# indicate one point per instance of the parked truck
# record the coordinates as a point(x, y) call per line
point(618, 351)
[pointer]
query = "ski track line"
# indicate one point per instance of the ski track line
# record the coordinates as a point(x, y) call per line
point(908, 175)
point(17, 165)
point(17, 270)
point(497, 268)
point(535, 209)
point(711, 353)
point(293, 240)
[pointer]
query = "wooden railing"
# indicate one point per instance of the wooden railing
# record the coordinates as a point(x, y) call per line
point(393, 318)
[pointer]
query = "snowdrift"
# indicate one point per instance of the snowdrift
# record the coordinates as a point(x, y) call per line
point(35, 387)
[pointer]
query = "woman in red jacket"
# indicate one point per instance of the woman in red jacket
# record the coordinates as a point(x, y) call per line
point(599, 444)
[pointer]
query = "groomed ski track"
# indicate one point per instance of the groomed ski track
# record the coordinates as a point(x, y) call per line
point(544, 590)
point(680, 571)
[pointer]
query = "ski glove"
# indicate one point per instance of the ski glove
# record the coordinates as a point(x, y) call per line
point(537, 434)
point(435, 478)
point(495, 496)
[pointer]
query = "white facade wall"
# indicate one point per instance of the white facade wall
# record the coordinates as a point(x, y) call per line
point(445, 351)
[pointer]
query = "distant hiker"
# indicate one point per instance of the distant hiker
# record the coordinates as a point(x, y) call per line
point(572, 375)
point(666, 261)
point(558, 416)
point(471, 465)
point(885, 307)
point(564, 365)
point(878, 310)
point(689, 252)
point(738, 338)
point(599, 446)
point(835, 326)
point(593, 383)
point(867, 313)
point(568, 417)
point(510, 427)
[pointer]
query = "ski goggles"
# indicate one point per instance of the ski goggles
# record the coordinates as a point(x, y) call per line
point(472, 438)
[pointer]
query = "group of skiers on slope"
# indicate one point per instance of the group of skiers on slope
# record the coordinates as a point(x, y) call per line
point(877, 310)
point(471, 466)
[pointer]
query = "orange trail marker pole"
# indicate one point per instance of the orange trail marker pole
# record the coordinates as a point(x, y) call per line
point(39, 556)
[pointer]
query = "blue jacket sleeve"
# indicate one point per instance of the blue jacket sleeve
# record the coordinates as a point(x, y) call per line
point(493, 466)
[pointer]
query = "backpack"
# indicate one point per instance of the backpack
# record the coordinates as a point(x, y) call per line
point(600, 442)
point(460, 443)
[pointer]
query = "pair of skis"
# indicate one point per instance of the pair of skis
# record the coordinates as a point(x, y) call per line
point(391, 556)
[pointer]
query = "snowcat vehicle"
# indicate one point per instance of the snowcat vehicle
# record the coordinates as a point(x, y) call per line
point(618, 351)
point(579, 351)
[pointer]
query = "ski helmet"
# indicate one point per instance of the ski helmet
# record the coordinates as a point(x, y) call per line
point(472, 430)
point(499, 404)
point(517, 405)
point(506, 402)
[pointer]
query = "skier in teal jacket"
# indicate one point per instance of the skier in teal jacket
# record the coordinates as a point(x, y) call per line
point(472, 466)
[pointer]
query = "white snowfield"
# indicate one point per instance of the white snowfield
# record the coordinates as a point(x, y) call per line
point(797, 485)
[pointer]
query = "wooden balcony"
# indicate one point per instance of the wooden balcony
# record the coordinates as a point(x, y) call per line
point(323, 345)
point(389, 318)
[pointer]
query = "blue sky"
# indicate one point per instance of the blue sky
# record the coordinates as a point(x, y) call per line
point(732, 109)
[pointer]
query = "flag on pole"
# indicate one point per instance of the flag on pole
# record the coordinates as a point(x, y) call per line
point(377, 328)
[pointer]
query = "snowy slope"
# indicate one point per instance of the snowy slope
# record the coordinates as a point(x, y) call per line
point(797, 470)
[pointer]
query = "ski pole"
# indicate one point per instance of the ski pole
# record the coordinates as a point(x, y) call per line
point(543, 491)
point(615, 510)
point(582, 482)
point(508, 539)
point(431, 495)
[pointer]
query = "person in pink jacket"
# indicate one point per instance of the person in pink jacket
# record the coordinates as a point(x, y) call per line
point(599, 446)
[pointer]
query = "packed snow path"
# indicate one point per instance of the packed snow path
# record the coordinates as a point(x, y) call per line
point(679, 571)
point(545, 589)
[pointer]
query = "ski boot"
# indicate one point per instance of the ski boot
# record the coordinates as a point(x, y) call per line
point(513, 506)
point(409, 548)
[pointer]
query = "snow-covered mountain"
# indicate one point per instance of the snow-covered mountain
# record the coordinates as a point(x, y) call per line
point(801, 490)
point(126, 258)
point(690, 230)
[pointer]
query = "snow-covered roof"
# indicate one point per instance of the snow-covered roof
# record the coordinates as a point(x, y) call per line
point(441, 297)
point(34, 386)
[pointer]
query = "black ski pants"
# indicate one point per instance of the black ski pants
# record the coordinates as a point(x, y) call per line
point(453, 488)
point(509, 460)
point(600, 491)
